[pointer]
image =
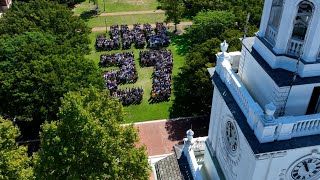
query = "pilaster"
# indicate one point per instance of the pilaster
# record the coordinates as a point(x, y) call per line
point(312, 42)
point(265, 18)
point(285, 28)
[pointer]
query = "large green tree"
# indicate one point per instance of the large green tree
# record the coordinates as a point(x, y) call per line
point(174, 10)
point(49, 17)
point(210, 24)
point(14, 160)
point(35, 72)
point(88, 143)
point(192, 86)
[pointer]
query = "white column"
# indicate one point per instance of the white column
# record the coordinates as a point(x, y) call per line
point(265, 17)
point(312, 43)
point(286, 27)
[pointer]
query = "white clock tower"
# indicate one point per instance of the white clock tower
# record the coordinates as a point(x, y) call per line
point(265, 118)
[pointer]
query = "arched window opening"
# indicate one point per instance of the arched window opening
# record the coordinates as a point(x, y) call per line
point(302, 20)
point(300, 28)
point(274, 20)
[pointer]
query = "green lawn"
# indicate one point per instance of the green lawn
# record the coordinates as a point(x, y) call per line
point(143, 111)
point(101, 21)
point(109, 6)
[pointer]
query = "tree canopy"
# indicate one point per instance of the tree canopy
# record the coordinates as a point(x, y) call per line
point(42, 48)
point(88, 143)
point(174, 10)
point(209, 24)
point(192, 86)
point(14, 160)
point(239, 7)
point(36, 72)
point(49, 17)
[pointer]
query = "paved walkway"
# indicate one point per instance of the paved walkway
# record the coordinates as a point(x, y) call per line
point(95, 29)
point(160, 136)
point(133, 13)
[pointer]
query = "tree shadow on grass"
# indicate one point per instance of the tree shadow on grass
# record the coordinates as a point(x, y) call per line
point(181, 41)
point(177, 128)
point(86, 15)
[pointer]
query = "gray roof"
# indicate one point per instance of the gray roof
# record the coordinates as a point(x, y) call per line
point(168, 169)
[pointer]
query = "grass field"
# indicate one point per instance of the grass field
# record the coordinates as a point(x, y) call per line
point(100, 21)
point(109, 6)
point(143, 111)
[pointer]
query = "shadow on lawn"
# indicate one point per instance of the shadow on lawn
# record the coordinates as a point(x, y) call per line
point(177, 128)
point(181, 41)
point(86, 15)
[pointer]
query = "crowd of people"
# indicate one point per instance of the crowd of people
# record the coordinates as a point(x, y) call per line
point(162, 60)
point(160, 39)
point(115, 36)
point(129, 95)
point(126, 74)
point(148, 31)
point(127, 37)
point(125, 61)
point(103, 43)
point(137, 36)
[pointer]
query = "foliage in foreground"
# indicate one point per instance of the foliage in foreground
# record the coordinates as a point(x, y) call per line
point(49, 17)
point(192, 87)
point(190, 8)
point(210, 24)
point(14, 160)
point(174, 10)
point(36, 72)
point(88, 143)
point(42, 48)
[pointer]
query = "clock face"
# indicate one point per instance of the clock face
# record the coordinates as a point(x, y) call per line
point(231, 136)
point(306, 169)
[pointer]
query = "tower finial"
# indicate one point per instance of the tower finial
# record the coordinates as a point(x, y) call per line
point(224, 46)
point(190, 134)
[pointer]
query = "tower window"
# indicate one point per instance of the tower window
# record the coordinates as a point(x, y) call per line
point(300, 28)
point(302, 20)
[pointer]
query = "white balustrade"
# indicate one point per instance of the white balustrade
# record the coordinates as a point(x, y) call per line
point(199, 144)
point(192, 161)
point(249, 107)
point(301, 125)
point(200, 159)
point(295, 46)
point(271, 34)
